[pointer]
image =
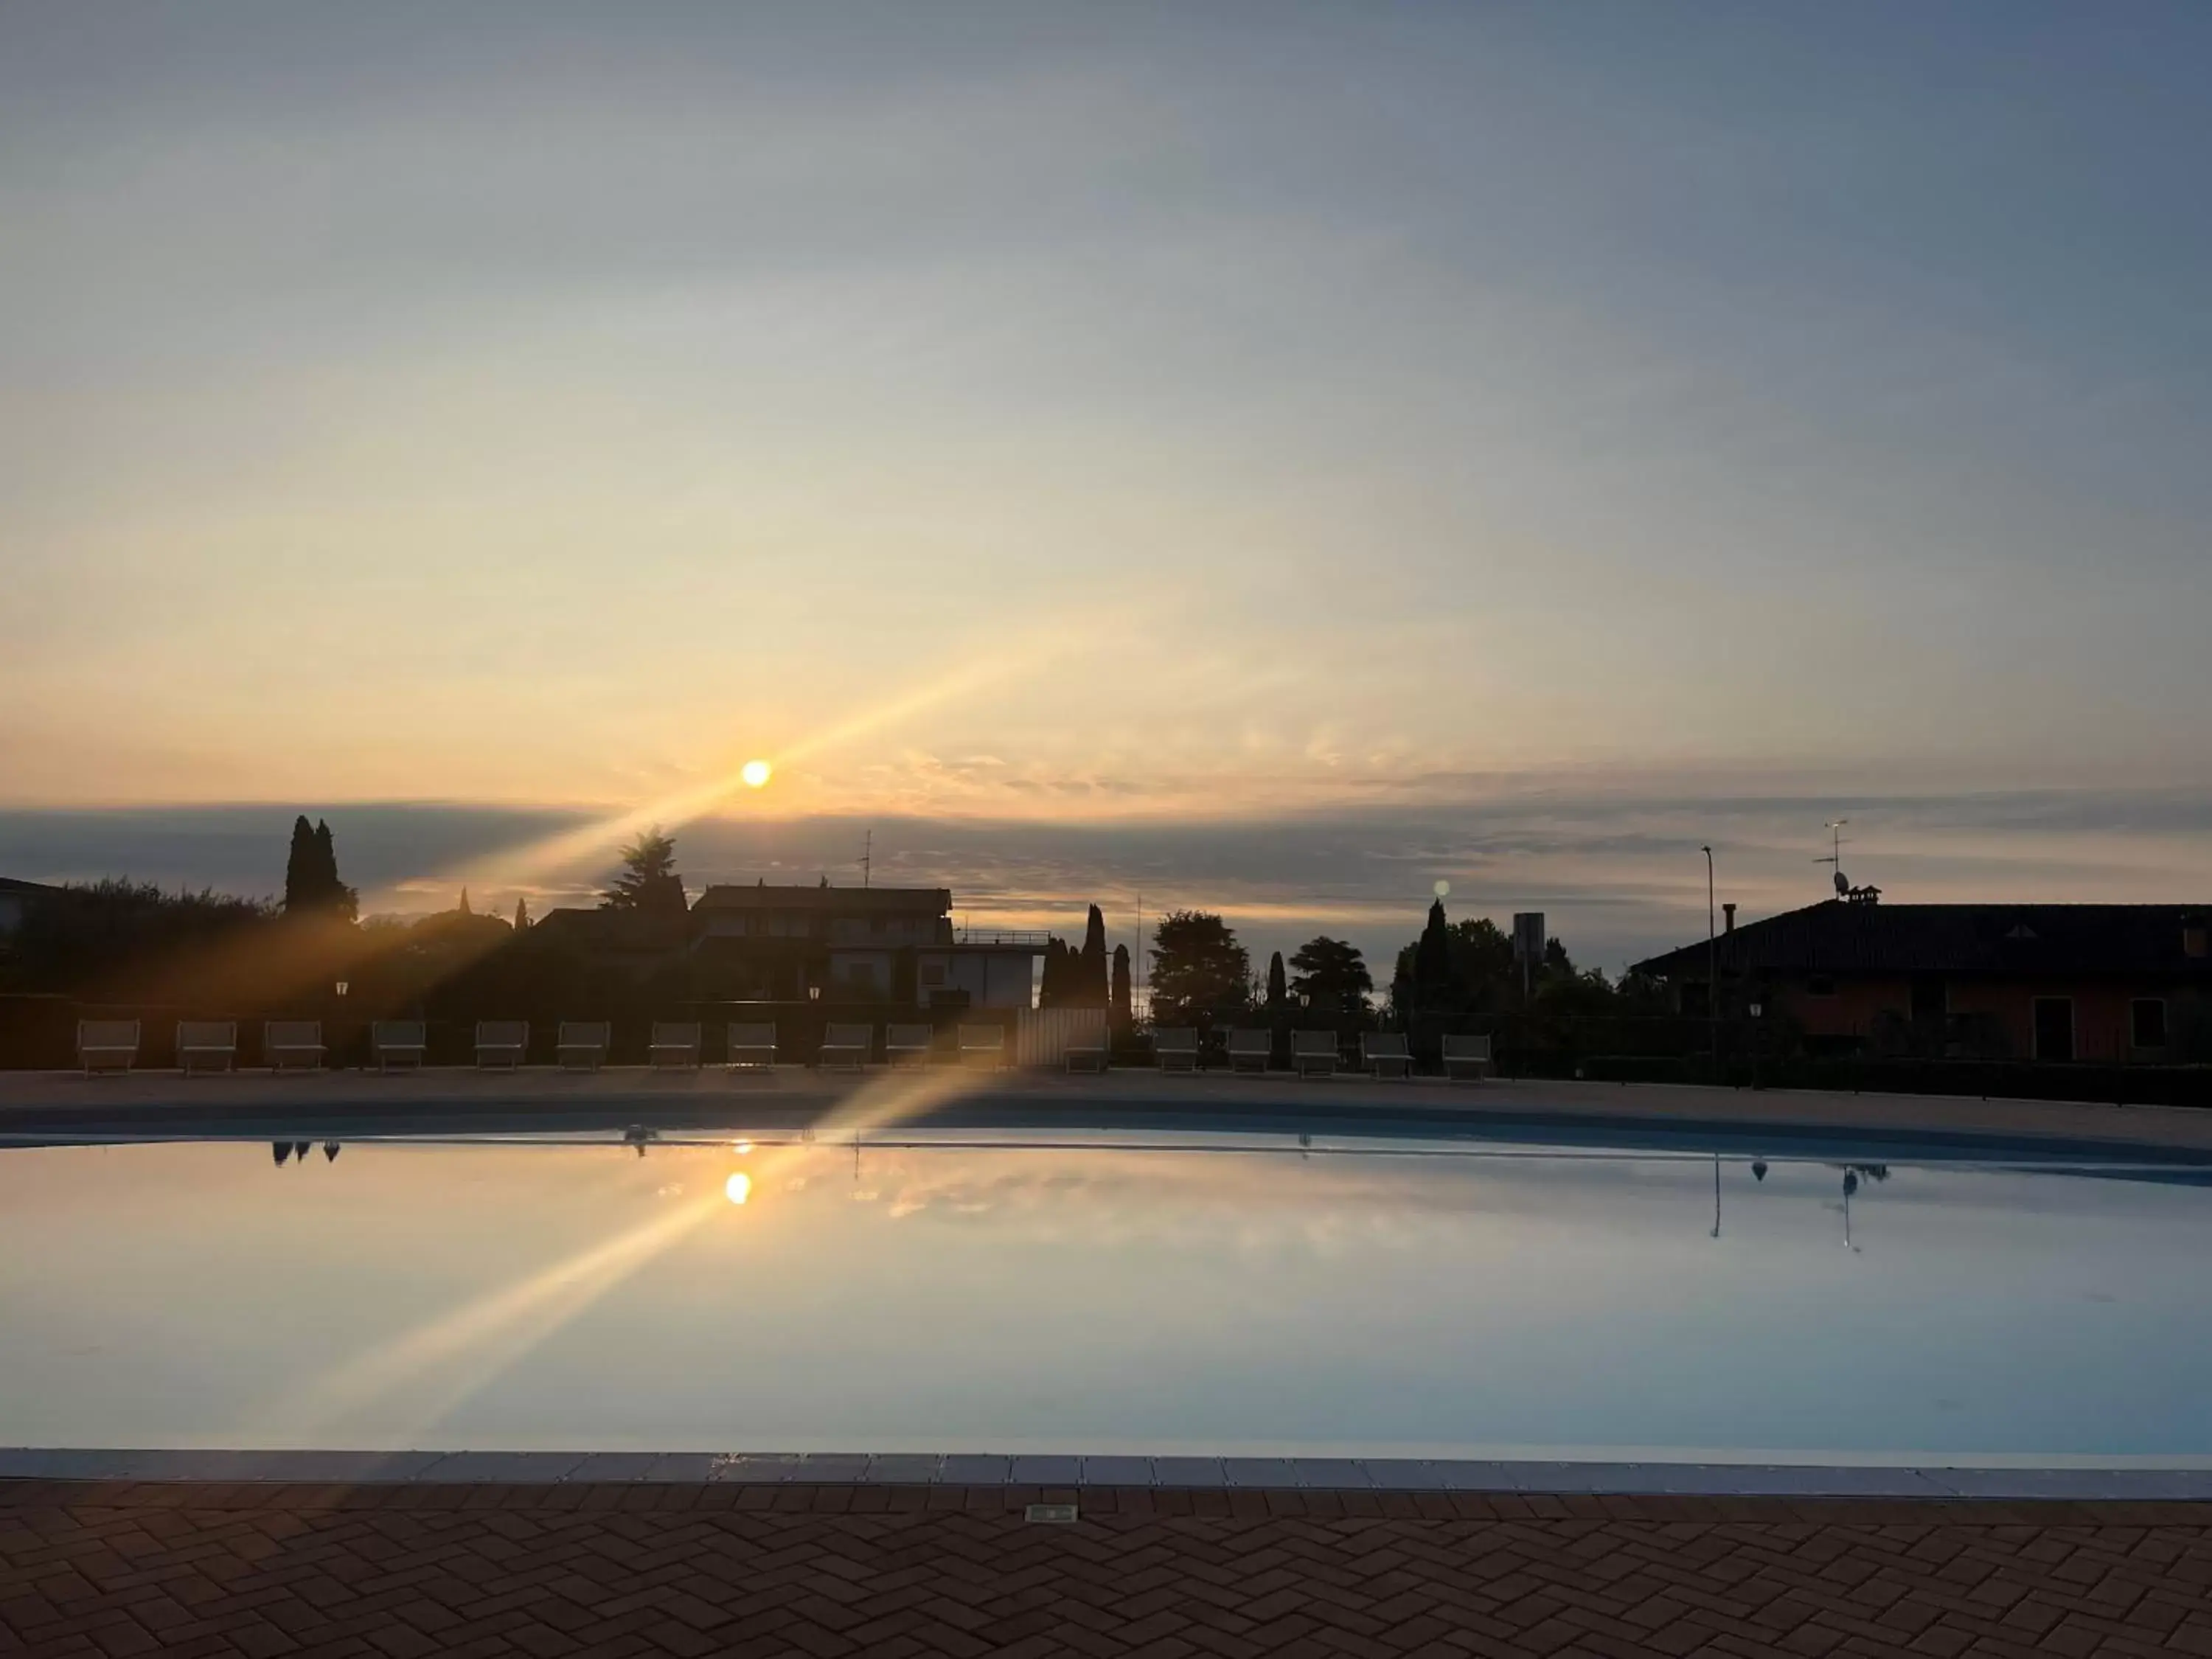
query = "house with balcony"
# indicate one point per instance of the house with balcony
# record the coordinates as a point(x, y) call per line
point(885, 945)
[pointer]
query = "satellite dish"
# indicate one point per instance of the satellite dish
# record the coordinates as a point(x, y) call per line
point(1843, 883)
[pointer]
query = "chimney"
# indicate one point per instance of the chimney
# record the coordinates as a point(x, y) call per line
point(2193, 942)
point(1727, 926)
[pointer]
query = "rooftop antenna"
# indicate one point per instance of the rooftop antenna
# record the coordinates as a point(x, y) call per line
point(868, 859)
point(1835, 829)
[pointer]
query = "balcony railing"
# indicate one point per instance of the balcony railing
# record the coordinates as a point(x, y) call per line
point(1033, 936)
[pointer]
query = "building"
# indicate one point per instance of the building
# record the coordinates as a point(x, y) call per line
point(2130, 982)
point(876, 945)
point(18, 899)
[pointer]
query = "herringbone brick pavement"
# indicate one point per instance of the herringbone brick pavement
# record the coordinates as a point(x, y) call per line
point(395, 1572)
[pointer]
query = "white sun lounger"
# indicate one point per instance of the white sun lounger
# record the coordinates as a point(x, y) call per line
point(501, 1042)
point(1386, 1053)
point(1087, 1052)
point(908, 1045)
point(845, 1048)
point(1175, 1048)
point(675, 1045)
point(107, 1045)
point(580, 1045)
point(1313, 1054)
point(292, 1045)
point(1467, 1058)
point(1250, 1049)
point(400, 1042)
point(206, 1045)
point(750, 1044)
point(983, 1046)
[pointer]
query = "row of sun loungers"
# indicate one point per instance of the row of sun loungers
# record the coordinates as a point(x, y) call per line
point(107, 1045)
point(111, 1045)
point(1317, 1054)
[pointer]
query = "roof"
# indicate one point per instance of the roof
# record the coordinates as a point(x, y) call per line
point(846, 901)
point(615, 930)
point(1996, 939)
point(27, 888)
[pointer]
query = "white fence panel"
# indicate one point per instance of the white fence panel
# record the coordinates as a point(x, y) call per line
point(1042, 1036)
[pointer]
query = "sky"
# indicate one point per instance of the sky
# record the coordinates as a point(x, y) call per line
point(1282, 455)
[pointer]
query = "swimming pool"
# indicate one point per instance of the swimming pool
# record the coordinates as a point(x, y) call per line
point(1237, 1294)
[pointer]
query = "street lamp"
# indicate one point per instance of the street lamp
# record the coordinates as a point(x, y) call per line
point(1712, 963)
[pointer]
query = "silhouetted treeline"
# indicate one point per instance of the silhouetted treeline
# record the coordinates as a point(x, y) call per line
point(120, 938)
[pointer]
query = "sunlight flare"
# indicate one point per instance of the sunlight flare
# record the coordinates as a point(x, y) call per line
point(450, 1357)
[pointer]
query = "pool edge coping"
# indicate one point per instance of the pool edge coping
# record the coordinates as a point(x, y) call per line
point(1124, 1472)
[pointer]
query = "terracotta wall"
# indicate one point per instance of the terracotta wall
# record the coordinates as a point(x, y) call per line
point(2100, 1010)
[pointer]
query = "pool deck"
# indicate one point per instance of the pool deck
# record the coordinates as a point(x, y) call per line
point(388, 1571)
point(33, 1104)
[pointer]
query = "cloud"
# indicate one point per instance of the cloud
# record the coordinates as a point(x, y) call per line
point(1617, 869)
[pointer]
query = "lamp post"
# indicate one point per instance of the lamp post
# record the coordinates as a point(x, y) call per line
point(1713, 964)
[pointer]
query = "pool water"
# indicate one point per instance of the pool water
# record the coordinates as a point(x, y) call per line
point(1210, 1295)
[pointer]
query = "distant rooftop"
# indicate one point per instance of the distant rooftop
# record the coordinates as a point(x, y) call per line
point(735, 896)
point(1957, 939)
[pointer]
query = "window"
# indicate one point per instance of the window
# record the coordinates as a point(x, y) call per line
point(933, 973)
point(1931, 998)
point(2054, 1028)
point(2146, 1023)
point(1820, 985)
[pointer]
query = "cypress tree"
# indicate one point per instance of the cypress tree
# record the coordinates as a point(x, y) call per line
point(1052, 992)
point(465, 903)
point(1432, 959)
point(521, 915)
point(1279, 989)
point(1091, 983)
point(335, 896)
point(1120, 992)
point(299, 868)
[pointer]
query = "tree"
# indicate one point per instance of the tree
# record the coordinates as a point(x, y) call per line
point(648, 880)
point(463, 907)
point(521, 913)
point(1118, 995)
point(1091, 984)
point(1331, 977)
point(299, 890)
point(1481, 978)
point(1199, 972)
point(1054, 990)
point(1278, 992)
point(312, 886)
point(1433, 980)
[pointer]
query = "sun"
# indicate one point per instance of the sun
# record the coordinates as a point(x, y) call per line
point(755, 773)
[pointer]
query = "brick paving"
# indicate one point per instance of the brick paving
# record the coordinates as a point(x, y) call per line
point(390, 1572)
